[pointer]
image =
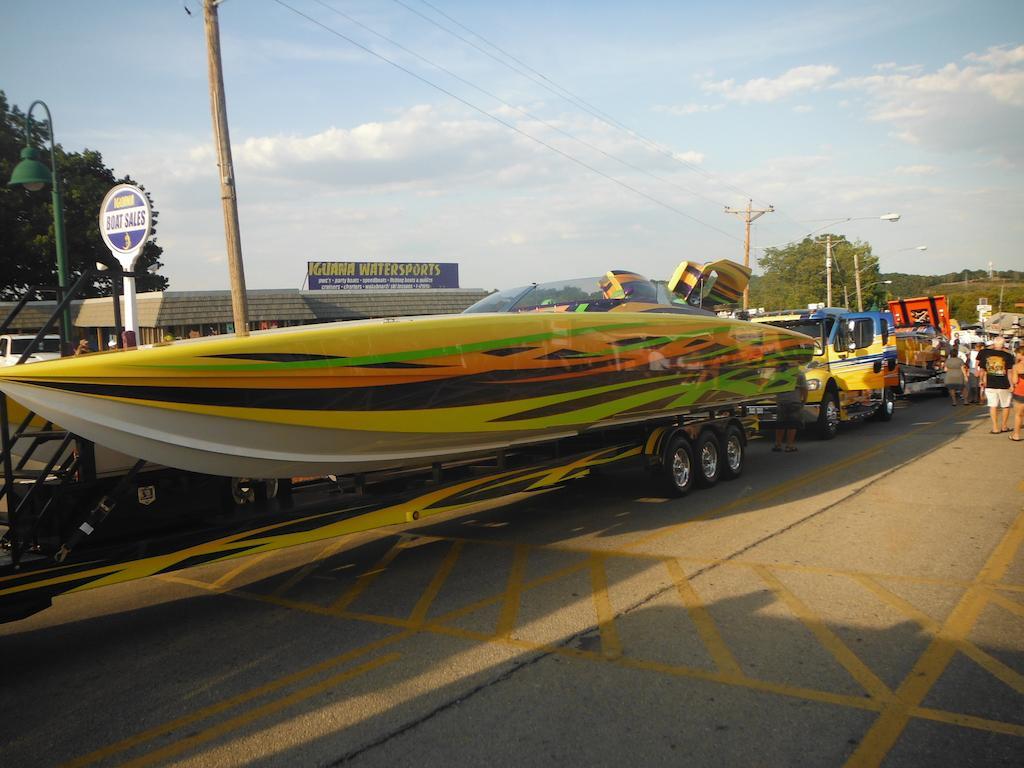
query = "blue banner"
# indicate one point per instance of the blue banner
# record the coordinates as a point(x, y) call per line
point(363, 275)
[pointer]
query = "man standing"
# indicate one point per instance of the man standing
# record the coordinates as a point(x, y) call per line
point(994, 364)
point(973, 393)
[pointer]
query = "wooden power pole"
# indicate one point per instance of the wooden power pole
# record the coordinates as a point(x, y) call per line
point(229, 199)
point(749, 214)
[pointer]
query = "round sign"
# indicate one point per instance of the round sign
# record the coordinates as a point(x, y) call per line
point(126, 220)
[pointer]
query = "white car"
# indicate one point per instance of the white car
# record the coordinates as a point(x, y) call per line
point(13, 346)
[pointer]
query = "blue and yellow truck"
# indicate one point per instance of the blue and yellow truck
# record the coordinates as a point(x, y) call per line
point(854, 373)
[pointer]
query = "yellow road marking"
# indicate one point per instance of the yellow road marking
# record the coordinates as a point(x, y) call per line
point(737, 563)
point(302, 573)
point(968, 721)
point(370, 576)
point(262, 711)
point(513, 592)
point(234, 701)
point(850, 661)
point(881, 737)
point(784, 487)
point(437, 626)
point(993, 665)
point(611, 646)
point(419, 613)
point(701, 618)
point(1004, 602)
point(239, 569)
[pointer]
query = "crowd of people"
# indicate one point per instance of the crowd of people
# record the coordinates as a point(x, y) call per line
point(976, 373)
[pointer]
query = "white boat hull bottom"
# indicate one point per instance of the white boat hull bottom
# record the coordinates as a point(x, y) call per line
point(216, 445)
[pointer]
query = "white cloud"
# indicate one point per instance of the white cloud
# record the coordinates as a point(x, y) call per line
point(692, 157)
point(974, 106)
point(687, 109)
point(999, 56)
point(764, 89)
point(916, 170)
point(802, 109)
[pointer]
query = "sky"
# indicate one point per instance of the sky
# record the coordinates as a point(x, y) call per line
point(545, 140)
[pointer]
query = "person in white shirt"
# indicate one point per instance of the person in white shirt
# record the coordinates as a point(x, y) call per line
point(973, 392)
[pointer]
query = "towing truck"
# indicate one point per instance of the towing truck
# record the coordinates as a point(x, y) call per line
point(853, 374)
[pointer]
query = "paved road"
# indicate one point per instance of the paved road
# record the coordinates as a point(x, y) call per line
point(858, 603)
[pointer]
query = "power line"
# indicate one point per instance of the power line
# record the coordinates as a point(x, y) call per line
point(520, 110)
point(561, 92)
point(505, 123)
point(566, 94)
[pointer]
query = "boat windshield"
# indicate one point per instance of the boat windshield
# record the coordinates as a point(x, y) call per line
point(46, 344)
point(818, 330)
point(578, 294)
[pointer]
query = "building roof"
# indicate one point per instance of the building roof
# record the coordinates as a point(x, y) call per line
point(175, 308)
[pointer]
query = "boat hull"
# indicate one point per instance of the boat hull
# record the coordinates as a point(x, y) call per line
point(367, 395)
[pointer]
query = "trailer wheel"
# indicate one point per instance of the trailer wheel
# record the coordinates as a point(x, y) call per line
point(708, 453)
point(828, 416)
point(887, 409)
point(733, 453)
point(678, 469)
point(902, 386)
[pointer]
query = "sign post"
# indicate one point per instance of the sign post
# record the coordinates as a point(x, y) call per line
point(126, 222)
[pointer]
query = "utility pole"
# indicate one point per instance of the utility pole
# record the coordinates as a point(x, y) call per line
point(749, 214)
point(828, 270)
point(229, 200)
point(856, 277)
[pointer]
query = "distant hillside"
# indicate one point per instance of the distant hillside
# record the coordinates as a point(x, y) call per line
point(963, 295)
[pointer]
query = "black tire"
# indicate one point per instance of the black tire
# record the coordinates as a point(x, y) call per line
point(901, 388)
point(678, 470)
point(887, 409)
point(708, 453)
point(734, 453)
point(827, 425)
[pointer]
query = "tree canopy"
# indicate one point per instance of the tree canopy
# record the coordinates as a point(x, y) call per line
point(27, 245)
point(794, 276)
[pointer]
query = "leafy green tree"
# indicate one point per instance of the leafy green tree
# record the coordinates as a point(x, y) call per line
point(794, 276)
point(27, 245)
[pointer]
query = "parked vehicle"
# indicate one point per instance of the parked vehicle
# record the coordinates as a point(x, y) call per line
point(854, 372)
point(13, 346)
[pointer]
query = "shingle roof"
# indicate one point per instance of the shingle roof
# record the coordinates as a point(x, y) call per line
point(173, 308)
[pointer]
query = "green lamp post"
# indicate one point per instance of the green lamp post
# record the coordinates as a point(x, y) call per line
point(33, 175)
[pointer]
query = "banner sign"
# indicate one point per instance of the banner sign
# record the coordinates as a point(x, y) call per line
point(363, 275)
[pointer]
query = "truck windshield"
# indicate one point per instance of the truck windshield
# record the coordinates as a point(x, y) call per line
point(18, 346)
point(816, 329)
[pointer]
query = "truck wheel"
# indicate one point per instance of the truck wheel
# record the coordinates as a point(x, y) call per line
point(708, 453)
point(733, 453)
point(887, 408)
point(828, 416)
point(902, 387)
point(678, 468)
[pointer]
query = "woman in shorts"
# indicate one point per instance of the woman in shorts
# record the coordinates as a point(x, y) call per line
point(956, 376)
point(1017, 384)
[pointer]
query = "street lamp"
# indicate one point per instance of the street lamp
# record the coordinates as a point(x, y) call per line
point(894, 217)
point(33, 175)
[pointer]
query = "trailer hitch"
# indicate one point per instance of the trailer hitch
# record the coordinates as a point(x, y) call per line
point(98, 514)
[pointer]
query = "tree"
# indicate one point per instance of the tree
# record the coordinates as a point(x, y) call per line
point(27, 245)
point(794, 276)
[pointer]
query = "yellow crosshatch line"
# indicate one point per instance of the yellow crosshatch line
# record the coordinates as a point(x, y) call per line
point(882, 736)
point(895, 708)
point(881, 699)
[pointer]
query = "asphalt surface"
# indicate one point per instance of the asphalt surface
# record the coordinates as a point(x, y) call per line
point(860, 602)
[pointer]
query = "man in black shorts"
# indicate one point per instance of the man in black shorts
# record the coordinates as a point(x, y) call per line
point(790, 407)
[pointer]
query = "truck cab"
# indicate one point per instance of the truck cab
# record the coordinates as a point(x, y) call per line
point(853, 373)
point(13, 346)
